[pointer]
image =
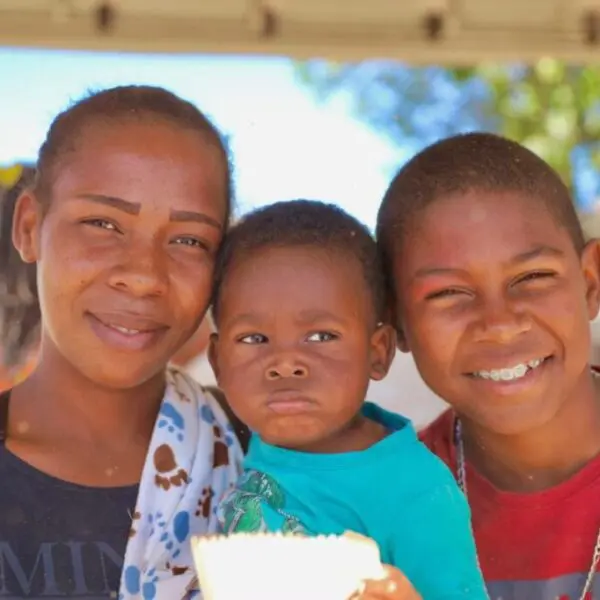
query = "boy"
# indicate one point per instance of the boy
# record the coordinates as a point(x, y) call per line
point(299, 308)
point(494, 289)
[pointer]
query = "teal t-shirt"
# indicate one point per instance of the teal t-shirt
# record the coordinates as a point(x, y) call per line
point(396, 492)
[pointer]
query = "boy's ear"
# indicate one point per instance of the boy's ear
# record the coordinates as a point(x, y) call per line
point(401, 340)
point(590, 266)
point(392, 316)
point(213, 354)
point(383, 350)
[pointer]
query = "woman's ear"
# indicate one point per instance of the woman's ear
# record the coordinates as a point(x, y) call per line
point(26, 227)
point(383, 350)
point(590, 267)
point(213, 354)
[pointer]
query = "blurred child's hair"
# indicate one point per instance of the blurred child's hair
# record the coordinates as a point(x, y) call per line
point(19, 308)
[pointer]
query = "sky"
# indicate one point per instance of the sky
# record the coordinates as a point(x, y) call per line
point(285, 143)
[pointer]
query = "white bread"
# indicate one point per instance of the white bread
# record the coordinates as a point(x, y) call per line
point(264, 566)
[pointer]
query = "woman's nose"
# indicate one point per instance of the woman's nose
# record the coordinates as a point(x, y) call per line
point(141, 274)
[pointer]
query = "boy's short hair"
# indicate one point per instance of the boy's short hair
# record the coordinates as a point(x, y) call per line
point(303, 223)
point(464, 163)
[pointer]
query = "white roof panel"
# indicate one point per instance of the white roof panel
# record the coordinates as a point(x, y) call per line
point(440, 31)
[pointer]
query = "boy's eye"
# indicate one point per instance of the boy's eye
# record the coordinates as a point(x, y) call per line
point(101, 224)
point(535, 275)
point(444, 293)
point(253, 338)
point(321, 336)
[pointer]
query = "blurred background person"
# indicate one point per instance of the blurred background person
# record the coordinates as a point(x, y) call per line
point(19, 310)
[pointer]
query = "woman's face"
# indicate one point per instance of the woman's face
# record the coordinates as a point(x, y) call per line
point(126, 248)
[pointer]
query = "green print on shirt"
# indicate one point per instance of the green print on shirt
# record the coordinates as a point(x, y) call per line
point(243, 509)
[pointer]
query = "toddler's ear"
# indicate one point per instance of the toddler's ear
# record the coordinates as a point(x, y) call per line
point(213, 354)
point(383, 350)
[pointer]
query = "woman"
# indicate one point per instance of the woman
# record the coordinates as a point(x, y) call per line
point(126, 214)
point(109, 461)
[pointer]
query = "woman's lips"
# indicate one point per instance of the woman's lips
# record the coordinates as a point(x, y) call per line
point(126, 332)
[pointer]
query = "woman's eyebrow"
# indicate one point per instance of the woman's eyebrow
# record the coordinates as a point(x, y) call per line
point(133, 208)
point(198, 217)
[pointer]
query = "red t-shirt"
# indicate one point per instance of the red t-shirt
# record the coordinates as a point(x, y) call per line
point(534, 546)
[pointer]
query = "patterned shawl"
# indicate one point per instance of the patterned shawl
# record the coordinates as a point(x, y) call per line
point(193, 459)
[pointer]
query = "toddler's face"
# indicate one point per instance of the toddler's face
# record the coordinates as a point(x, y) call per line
point(297, 344)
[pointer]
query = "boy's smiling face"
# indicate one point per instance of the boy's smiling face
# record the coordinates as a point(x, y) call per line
point(298, 343)
point(495, 303)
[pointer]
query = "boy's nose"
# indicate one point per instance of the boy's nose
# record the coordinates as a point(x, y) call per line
point(500, 322)
point(284, 367)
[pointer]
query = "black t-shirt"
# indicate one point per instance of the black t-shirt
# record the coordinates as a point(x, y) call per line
point(57, 539)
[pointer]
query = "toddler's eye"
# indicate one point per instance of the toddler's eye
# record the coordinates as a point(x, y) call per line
point(321, 336)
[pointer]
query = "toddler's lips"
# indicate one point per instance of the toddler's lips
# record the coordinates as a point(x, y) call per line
point(290, 402)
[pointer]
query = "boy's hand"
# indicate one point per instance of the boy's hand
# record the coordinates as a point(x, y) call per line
point(395, 586)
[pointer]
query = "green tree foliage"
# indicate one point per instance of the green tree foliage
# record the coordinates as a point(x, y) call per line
point(551, 107)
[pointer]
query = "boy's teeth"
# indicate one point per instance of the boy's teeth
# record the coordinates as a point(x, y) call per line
point(511, 373)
